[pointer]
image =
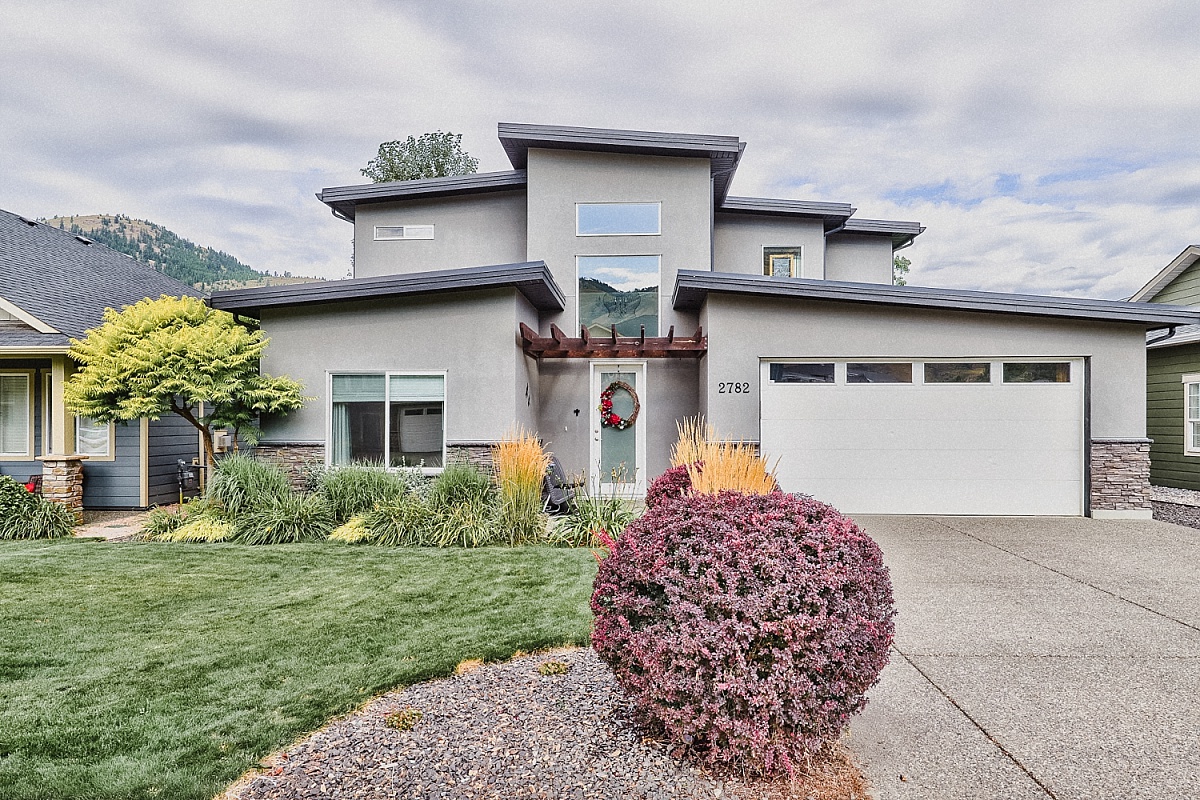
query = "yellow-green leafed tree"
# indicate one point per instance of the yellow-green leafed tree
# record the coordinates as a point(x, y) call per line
point(175, 354)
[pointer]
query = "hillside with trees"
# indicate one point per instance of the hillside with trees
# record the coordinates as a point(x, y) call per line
point(169, 253)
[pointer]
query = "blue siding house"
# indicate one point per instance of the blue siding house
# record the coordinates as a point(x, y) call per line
point(54, 286)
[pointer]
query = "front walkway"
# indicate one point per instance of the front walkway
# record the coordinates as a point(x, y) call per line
point(1037, 658)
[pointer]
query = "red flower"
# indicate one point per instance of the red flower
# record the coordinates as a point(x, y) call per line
point(606, 405)
point(613, 419)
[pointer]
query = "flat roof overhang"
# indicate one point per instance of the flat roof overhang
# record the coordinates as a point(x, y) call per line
point(532, 279)
point(692, 288)
point(343, 200)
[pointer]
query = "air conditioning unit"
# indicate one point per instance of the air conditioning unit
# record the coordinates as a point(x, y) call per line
point(222, 441)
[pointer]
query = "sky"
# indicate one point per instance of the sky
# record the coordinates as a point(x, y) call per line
point(1049, 147)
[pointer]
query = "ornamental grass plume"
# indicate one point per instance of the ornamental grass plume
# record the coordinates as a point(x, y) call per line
point(521, 462)
point(714, 466)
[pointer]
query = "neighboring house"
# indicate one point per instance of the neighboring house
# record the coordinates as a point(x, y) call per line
point(54, 286)
point(619, 259)
point(1173, 377)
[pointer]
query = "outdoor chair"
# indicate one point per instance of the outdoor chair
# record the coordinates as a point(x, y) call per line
point(34, 484)
point(558, 490)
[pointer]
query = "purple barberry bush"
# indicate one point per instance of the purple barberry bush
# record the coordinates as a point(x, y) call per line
point(671, 485)
point(745, 628)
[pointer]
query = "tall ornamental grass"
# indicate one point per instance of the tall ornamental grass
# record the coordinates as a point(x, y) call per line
point(357, 488)
point(243, 484)
point(29, 516)
point(521, 462)
point(714, 466)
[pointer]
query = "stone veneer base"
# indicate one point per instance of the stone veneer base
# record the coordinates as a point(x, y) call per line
point(62, 482)
point(1121, 479)
point(299, 458)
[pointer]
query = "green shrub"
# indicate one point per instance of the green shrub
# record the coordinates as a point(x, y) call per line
point(404, 522)
point(291, 518)
point(590, 515)
point(352, 531)
point(243, 483)
point(355, 488)
point(200, 528)
point(29, 516)
point(473, 523)
point(460, 484)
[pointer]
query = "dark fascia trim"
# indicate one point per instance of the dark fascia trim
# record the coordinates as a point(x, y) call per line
point(723, 152)
point(532, 279)
point(902, 233)
point(832, 214)
point(343, 199)
point(692, 288)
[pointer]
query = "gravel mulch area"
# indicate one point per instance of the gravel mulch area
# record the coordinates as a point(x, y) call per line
point(505, 731)
point(115, 526)
point(1188, 515)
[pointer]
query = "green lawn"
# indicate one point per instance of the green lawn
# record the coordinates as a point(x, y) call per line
point(155, 670)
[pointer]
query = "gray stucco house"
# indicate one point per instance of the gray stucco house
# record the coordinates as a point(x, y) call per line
point(615, 266)
point(54, 286)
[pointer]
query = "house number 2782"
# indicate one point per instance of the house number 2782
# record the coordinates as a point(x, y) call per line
point(734, 387)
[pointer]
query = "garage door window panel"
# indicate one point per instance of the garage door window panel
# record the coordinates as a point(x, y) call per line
point(1037, 372)
point(958, 372)
point(801, 373)
point(879, 373)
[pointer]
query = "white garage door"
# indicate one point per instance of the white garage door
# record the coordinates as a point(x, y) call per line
point(928, 437)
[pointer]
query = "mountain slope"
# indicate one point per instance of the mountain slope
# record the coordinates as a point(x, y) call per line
point(168, 252)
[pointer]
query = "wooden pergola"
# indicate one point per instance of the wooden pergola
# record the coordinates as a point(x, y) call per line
point(559, 345)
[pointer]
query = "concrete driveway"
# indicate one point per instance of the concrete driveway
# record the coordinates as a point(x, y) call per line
point(1035, 658)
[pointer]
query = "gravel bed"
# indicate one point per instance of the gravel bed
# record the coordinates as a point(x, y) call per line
point(502, 731)
point(1169, 494)
point(1179, 514)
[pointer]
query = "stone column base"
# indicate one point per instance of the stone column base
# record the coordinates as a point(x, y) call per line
point(62, 482)
point(1121, 479)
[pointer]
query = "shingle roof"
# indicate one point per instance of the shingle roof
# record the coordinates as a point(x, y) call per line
point(67, 283)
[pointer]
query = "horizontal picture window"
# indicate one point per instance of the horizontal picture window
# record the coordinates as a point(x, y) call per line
point(966, 372)
point(802, 373)
point(879, 373)
point(1037, 372)
point(393, 233)
point(617, 219)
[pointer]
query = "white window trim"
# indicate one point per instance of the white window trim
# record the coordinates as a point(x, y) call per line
point(797, 263)
point(47, 399)
point(405, 237)
point(619, 203)
point(622, 255)
point(1189, 380)
point(28, 374)
point(387, 414)
point(112, 442)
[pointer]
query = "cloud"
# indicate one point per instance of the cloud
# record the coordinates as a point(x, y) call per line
point(1047, 147)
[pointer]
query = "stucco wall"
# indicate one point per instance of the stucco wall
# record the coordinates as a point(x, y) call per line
point(469, 231)
point(558, 179)
point(858, 258)
point(470, 335)
point(739, 239)
point(742, 330)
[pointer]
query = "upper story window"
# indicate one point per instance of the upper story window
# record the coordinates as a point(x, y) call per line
point(617, 219)
point(395, 233)
point(620, 292)
point(781, 262)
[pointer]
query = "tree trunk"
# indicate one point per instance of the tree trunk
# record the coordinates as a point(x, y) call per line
point(210, 456)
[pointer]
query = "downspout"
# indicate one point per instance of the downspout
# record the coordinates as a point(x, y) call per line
point(1170, 333)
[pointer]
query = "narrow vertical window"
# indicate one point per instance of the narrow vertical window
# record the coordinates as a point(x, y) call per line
point(15, 416)
point(1192, 409)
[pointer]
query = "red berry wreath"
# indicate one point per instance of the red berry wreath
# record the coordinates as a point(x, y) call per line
point(609, 419)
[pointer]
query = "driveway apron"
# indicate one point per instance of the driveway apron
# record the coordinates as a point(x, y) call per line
point(1037, 658)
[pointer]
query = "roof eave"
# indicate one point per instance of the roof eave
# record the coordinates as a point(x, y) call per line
point(532, 279)
point(343, 200)
point(1189, 256)
point(692, 288)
